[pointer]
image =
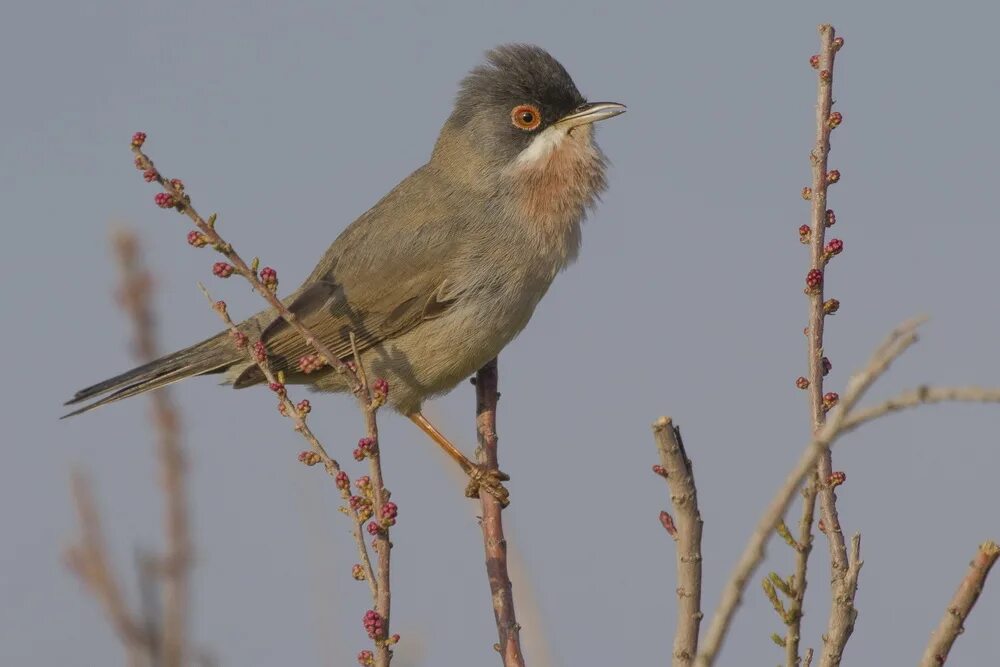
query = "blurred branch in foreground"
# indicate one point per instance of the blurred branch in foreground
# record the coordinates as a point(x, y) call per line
point(159, 636)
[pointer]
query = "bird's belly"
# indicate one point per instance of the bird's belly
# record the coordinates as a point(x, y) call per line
point(439, 353)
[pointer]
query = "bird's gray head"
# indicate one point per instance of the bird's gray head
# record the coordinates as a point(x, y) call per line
point(519, 105)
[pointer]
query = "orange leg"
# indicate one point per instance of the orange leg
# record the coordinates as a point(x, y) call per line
point(490, 480)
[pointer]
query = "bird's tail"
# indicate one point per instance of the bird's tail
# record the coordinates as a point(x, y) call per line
point(213, 355)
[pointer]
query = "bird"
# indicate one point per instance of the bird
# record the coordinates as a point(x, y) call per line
point(447, 268)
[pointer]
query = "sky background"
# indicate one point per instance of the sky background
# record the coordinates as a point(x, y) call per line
point(290, 119)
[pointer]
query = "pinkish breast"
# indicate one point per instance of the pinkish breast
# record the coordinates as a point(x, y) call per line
point(555, 187)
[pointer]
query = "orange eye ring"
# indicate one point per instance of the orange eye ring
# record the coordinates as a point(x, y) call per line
point(526, 117)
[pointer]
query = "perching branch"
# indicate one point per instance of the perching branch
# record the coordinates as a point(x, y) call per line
point(491, 522)
point(675, 467)
point(953, 622)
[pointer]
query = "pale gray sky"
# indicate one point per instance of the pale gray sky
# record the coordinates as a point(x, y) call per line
point(290, 119)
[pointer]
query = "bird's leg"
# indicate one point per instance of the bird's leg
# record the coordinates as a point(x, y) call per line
point(479, 475)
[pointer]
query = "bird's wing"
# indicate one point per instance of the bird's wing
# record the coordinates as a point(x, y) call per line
point(386, 273)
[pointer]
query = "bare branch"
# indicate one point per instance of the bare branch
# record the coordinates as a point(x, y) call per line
point(494, 542)
point(953, 622)
point(175, 565)
point(89, 560)
point(803, 547)
point(897, 343)
point(688, 527)
point(921, 396)
point(840, 623)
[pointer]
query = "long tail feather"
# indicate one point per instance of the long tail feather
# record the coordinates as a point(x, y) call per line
point(208, 356)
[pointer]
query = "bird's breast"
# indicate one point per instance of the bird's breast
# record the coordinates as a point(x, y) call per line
point(552, 184)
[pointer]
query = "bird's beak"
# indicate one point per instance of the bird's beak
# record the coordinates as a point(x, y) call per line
point(590, 113)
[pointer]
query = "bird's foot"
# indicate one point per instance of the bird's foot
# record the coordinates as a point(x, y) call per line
point(490, 480)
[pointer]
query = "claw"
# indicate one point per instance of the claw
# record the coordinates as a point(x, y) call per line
point(481, 477)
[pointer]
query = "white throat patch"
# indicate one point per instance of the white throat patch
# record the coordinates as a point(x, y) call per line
point(541, 147)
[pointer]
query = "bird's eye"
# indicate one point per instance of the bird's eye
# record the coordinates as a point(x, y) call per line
point(526, 117)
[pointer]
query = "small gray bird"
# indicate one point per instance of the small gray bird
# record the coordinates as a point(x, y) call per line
point(447, 268)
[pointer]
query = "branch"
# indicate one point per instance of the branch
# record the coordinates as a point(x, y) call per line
point(803, 547)
point(175, 197)
point(921, 396)
point(841, 619)
point(897, 343)
point(297, 413)
point(494, 542)
point(676, 469)
point(953, 622)
point(375, 496)
point(89, 560)
point(175, 565)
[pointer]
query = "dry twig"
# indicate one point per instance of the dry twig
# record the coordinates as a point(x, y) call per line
point(842, 612)
point(921, 396)
point(161, 637)
point(803, 548)
point(897, 342)
point(953, 622)
point(676, 468)
point(175, 566)
point(840, 423)
point(89, 560)
point(297, 413)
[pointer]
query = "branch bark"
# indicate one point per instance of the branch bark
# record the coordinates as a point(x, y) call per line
point(953, 622)
point(494, 543)
point(921, 396)
point(688, 528)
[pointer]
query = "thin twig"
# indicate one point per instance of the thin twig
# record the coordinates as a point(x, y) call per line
point(379, 585)
point(953, 622)
point(676, 468)
point(841, 618)
point(897, 343)
point(494, 542)
point(175, 566)
point(89, 560)
point(803, 547)
point(207, 227)
point(380, 497)
point(921, 396)
point(298, 417)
